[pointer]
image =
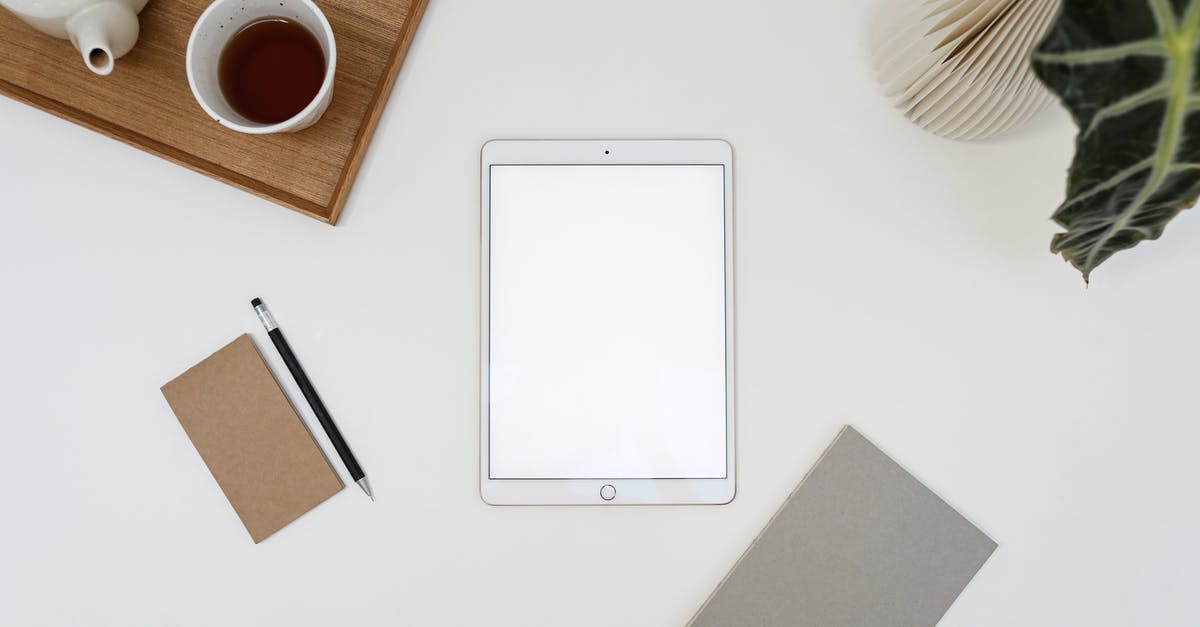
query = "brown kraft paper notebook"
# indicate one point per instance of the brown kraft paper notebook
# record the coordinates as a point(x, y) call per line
point(249, 435)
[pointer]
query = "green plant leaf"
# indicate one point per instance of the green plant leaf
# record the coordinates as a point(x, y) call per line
point(1128, 72)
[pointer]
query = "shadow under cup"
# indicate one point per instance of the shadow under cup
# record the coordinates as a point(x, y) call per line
point(224, 19)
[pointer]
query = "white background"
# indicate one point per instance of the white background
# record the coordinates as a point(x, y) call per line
point(886, 278)
point(607, 322)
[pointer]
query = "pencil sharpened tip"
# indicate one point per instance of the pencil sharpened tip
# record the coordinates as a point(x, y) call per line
point(366, 487)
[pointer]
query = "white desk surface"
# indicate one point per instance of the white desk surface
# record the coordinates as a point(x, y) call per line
point(886, 278)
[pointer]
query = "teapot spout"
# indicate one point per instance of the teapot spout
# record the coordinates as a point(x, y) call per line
point(102, 33)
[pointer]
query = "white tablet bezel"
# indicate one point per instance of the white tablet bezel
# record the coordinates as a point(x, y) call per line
point(587, 491)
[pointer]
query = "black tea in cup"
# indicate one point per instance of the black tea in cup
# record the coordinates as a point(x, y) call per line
point(271, 69)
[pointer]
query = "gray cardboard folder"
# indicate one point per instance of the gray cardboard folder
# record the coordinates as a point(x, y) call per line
point(859, 543)
point(248, 434)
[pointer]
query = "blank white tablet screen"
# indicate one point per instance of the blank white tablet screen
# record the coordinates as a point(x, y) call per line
point(607, 322)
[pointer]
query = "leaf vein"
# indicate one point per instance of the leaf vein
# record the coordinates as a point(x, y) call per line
point(1106, 184)
point(1146, 47)
point(1129, 103)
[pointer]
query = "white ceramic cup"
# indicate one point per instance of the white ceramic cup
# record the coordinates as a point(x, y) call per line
point(224, 18)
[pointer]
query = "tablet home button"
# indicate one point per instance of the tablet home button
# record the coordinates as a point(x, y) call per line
point(607, 492)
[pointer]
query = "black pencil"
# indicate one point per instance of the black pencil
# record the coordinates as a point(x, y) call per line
point(310, 393)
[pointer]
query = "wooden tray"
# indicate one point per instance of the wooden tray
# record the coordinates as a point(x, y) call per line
point(146, 101)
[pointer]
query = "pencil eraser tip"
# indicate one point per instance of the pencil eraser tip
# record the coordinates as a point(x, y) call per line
point(256, 302)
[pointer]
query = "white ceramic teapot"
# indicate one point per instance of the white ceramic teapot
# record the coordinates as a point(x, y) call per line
point(102, 30)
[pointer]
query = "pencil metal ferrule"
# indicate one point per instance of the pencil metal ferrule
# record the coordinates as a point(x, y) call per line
point(266, 318)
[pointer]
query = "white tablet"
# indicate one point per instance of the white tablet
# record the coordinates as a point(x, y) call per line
point(607, 323)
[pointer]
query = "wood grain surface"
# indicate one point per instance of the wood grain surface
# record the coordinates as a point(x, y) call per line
point(146, 101)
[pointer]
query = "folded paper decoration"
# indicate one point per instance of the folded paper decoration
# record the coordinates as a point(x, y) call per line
point(960, 68)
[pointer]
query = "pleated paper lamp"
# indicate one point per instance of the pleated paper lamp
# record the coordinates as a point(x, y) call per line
point(960, 68)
